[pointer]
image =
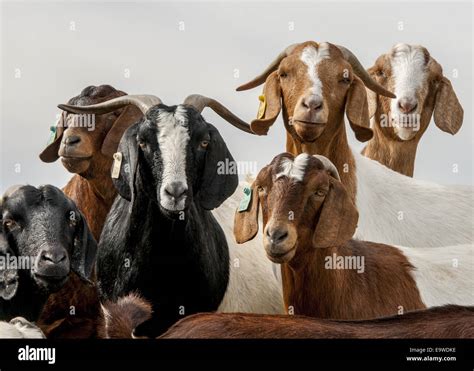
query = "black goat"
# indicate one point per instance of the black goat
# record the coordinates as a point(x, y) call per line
point(43, 237)
point(160, 238)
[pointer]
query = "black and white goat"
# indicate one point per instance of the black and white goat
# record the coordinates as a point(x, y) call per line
point(160, 237)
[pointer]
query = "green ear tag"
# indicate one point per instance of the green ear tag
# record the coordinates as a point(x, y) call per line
point(52, 135)
point(245, 202)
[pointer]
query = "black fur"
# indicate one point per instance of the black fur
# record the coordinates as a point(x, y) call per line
point(175, 263)
point(45, 221)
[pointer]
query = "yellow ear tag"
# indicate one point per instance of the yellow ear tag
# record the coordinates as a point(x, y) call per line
point(117, 165)
point(262, 107)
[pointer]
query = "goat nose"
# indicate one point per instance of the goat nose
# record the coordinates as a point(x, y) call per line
point(72, 140)
point(52, 257)
point(277, 235)
point(312, 103)
point(407, 105)
point(176, 190)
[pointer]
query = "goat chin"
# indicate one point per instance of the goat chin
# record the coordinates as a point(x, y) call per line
point(253, 287)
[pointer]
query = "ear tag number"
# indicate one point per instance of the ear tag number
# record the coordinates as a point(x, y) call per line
point(245, 202)
point(52, 134)
point(262, 107)
point(117, 165)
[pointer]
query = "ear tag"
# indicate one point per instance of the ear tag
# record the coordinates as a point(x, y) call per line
point(117, 165)
point(262, 107)
point(245, 202)
point(52, 134)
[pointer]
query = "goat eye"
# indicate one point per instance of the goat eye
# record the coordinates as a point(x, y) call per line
point(346, 80)
point(204, 143)
point(142, 144)
point(380, 73)
point(283, 75)
point(9, 223)
point(320, 193)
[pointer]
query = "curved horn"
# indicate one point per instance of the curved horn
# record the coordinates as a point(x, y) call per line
point(260, 79)
point(329, 166)
point(360, 71)
point(199, 102)
point(143, 102)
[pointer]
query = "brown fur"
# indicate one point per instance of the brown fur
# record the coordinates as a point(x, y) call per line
point(321, 225)
point(436, 95)
point(447, 322)
point(119, 319)
point(92, 190)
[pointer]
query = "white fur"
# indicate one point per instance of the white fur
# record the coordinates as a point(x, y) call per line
point(173, 139)
point(294, 169)
point(312, 57)
point(431, 214)
point(253, 287)
point(444, 275)
point(20, 328)
point(409, 75)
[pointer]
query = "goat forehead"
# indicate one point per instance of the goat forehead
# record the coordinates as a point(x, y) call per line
point(408, 66)
point(312, 57)
point(293, 169)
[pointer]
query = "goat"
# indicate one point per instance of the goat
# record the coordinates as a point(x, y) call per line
point(450, 321)
point(44, 239)
point(167, 171)
point(308, 222)
point(417, 80)
point(85, 147)
point(20, 328)
point(317, 83)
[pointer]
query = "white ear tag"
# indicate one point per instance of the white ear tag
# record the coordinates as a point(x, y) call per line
point(117, 165)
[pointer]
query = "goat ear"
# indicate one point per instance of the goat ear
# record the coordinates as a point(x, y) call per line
point(129, 116)
point(357, 110)
point(338, 218)
point(128, 164)
point(85, 249)
point(8, 275)
point(270, 106)
point(219, 177)
point(50, 153)
point(448, 112)
point(246, 221)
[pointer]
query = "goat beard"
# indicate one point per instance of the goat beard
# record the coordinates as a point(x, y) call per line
point(75, 165)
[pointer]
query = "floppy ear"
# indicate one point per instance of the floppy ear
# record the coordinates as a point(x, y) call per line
point(84, 250)
point(50, 153)
point(128, 149)
point(270, 107)
point(338, 217)
point(8, 275)
point(129, 116)
point(246, 221)
point(220, 177)
point(448, 113)
point(357, 110)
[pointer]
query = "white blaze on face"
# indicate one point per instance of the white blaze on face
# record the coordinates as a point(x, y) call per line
point(173, 139)
point(294, 169)
point(312, 57)
point(408, 74)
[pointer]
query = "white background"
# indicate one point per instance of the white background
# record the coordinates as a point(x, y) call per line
point(56, 63)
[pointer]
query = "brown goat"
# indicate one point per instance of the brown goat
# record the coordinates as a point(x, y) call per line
point(417, 80)
point(86, 151)
point(447, 322)
point(309, 220)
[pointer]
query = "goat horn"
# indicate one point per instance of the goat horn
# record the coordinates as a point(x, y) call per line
point(143, 102)
point(360, 71)
point(329, 166)
point(260, 79)
point(199, 102)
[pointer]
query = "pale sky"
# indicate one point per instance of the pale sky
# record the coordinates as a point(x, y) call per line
point(50, 51)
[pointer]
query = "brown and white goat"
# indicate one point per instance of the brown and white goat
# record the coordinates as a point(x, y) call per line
point(421, 88)
point(314, 85)
point(86, 151)
point(450, 321)
point(446, 322)
point(309, 220)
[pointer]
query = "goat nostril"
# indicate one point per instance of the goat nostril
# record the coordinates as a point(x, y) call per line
point(407, 106)
point(53, 258)
point(176, 190)
point(73, 139)
point(303, 103)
